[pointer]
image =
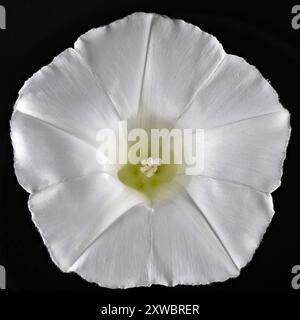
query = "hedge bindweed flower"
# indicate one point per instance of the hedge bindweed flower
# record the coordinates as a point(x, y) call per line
point(147, 223)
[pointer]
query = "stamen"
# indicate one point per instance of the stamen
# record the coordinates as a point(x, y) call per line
point(149, 166)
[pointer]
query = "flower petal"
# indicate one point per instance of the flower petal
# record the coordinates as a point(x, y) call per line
point(116, 55)
point(65, 93)
point(120, 257)
point(236, 91)
point(45, 155)
point(73, 214)
point(180, 59)
point(185, 248)
point(150, 62)
point(239, 215)
point(249, 152)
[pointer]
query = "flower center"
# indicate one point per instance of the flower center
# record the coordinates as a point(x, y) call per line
point(155, 173)
point(149, 166)
point(148, 177)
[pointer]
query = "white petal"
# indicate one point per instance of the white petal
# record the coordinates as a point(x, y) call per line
point(239, 215)
point(120, 257)
point(180, 60)
point(185, 247)
point(236, 91)
point(73, 214)
point(65, 93)
point(150, 61)
point(45, 155)
point(249, 152)
point(116, 54)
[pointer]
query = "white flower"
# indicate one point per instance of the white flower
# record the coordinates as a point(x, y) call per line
point(170, 71)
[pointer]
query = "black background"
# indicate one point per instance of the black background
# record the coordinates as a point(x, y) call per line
point(261, 32)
